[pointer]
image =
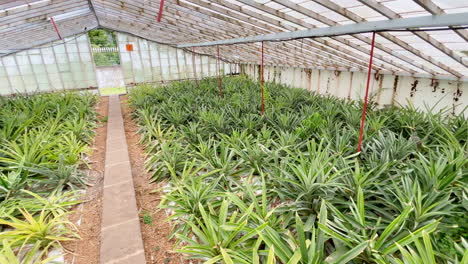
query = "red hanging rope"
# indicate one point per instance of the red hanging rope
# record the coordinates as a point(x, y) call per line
point(56, 28)
point(263, 82)
point(366, 97)
point(161, 7)
point(194, 66)
point(218, 66)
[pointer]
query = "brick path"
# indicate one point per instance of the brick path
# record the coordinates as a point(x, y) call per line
point(121, 240)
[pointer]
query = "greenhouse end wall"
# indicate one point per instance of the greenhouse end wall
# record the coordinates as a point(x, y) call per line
point(153, 62)
point(385, 89)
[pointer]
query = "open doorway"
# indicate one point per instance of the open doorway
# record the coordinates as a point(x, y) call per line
point(106, 57)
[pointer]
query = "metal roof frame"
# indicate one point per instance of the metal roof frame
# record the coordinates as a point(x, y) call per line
point(458, 19)
point(24, 24)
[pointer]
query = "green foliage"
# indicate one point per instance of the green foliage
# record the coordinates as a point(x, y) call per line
point(55, 203)
point(41, 149)
point(32, 255)
point(112, 90)
point(147, 219)
point(102, 38)
point(289, 188)
point(45, 229)
point(106, 58)
point(42, 141)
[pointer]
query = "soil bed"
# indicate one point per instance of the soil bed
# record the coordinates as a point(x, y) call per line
point(155, 232)
point(87, 215)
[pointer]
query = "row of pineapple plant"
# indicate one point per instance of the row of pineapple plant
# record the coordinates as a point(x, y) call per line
point(44, 140)
point(289, 187)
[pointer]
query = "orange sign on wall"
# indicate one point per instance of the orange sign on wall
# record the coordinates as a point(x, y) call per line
point(129, 47)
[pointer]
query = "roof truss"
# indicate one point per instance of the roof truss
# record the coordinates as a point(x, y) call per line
point(193, 21)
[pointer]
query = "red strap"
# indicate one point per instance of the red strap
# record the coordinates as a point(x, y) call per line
point(56, 28)
point(366, 97)
point(161, 7)
point(263, 82)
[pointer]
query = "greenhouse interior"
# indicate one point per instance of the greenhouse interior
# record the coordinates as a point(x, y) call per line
point(234, 131)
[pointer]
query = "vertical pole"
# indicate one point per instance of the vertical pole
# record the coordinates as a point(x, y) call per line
point(263, 81)
point(56, 28)
point(220, 82)
point(161, 7)
point(194, 66)
point(366, 97)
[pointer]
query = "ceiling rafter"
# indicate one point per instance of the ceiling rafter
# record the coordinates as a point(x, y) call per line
point(265, 20)
point(119, 25)
point(297, 46)
point(251, 50)
point(273, 60)
point(323, 45)
point(350, 15)
point(435, 10)
point(387, 12)
point(32, 18)
point(226, 28)
point(45, 34)
point(330, 22)
point(131, 8)
point(25, 25)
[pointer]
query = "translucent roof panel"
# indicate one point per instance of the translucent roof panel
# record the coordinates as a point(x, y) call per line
point(27, 23)
point(24, 24)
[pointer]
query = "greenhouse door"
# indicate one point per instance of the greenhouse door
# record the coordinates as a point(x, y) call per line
point(109, 77)
point(106, 57)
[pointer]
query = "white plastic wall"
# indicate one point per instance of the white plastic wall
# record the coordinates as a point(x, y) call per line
point(385, 89)
point(61, 65)
point(153, 62)
point(69, 65)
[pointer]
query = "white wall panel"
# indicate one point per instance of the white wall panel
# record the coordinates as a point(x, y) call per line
point(385, 89)
point(60, 65)
point(153, 62)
